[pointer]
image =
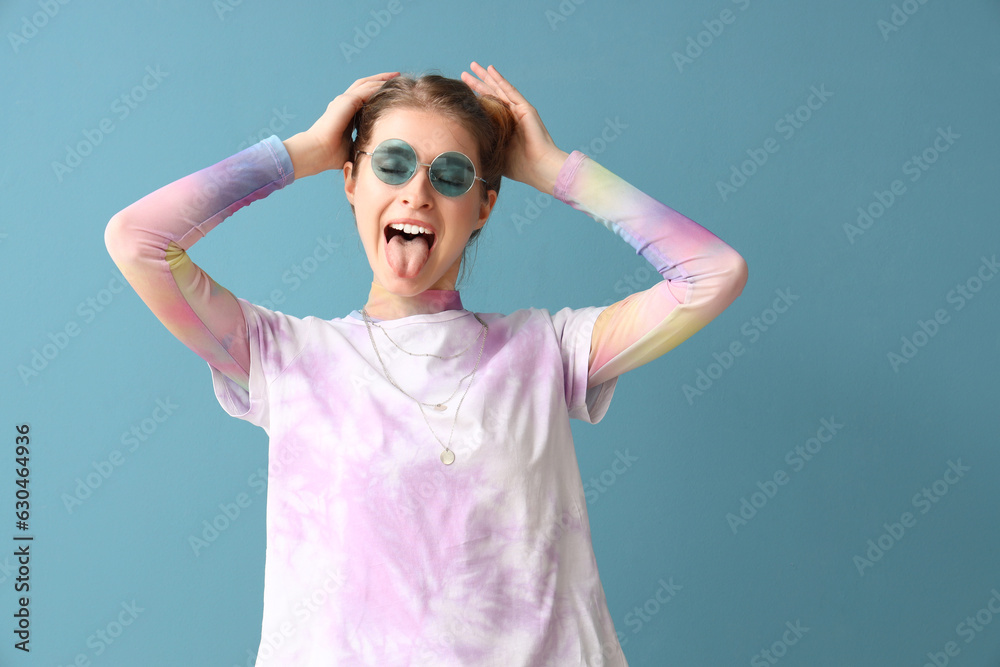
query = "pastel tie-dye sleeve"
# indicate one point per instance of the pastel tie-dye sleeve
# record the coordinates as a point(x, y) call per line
point(702, 275)
point(148, 241)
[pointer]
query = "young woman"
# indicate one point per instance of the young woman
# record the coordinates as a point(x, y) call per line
point(425, 506)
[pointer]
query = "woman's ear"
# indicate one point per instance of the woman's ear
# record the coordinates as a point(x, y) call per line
point(486, 207)
point(349, 183)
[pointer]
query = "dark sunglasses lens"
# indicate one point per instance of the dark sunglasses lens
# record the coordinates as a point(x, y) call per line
point(394, 161)
point(452, 174)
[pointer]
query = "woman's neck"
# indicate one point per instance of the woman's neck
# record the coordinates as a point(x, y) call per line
point(384, 305)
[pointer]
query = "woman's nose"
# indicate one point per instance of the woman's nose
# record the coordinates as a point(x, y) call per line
point(418, 191)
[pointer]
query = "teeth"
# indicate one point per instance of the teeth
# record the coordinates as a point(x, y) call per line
point(410, 229)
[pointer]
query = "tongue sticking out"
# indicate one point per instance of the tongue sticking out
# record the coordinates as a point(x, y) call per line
point(407, 257)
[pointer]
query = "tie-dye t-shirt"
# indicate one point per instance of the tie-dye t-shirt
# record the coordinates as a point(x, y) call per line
point(487, 561)
point(377, 552)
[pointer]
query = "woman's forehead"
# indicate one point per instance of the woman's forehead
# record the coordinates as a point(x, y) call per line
point(429, 132)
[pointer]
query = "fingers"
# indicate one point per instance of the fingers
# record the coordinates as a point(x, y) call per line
point(482, 85)
point(476, 84)
point(369, 89)
point(375, 81)
point(507, 87)
point(490, 81)
point(384, 76)
point(367, 86)
point(498, 85)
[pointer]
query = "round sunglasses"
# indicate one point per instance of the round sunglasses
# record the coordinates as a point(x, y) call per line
point(394, 162)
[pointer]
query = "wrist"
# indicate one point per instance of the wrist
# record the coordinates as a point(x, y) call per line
point(547, 170)
point(304, 153)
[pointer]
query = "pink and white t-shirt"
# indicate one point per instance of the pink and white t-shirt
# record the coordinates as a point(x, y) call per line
point(487, 561)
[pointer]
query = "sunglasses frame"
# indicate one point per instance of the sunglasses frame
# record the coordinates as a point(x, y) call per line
point(418, 163)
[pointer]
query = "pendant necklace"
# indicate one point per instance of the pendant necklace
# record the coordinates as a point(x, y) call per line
point(440, 407)
point(447, 456)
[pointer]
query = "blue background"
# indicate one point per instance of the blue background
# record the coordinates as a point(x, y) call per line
point(233, 72)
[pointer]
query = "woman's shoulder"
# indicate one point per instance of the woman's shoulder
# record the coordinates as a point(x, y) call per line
point(558, 320)
point(267, 315)
point(548, 313)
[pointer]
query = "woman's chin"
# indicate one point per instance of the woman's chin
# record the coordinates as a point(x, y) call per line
point(404, 287)
point(427, 278)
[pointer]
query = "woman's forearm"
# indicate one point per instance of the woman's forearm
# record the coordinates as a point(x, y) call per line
point(702, 274)
point(148, 241)
point(307, 157)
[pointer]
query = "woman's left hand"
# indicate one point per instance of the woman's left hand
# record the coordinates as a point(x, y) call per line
point(534, 158)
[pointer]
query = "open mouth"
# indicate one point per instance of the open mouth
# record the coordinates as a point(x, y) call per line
point(408, 248)
point(409, 233)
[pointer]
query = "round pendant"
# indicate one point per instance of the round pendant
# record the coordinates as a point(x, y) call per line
point(440, 408)
point(447, 457)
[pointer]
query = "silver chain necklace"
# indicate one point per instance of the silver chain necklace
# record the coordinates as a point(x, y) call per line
point(424, 354)
point(447, 456)
point(440, 406)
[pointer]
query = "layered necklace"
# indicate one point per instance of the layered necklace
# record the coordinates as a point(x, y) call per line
point(447, 456)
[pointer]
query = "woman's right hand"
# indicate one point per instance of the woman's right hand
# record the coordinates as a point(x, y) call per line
point(327, 144)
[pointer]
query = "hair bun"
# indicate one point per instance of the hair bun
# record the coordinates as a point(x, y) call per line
point(505, 125)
